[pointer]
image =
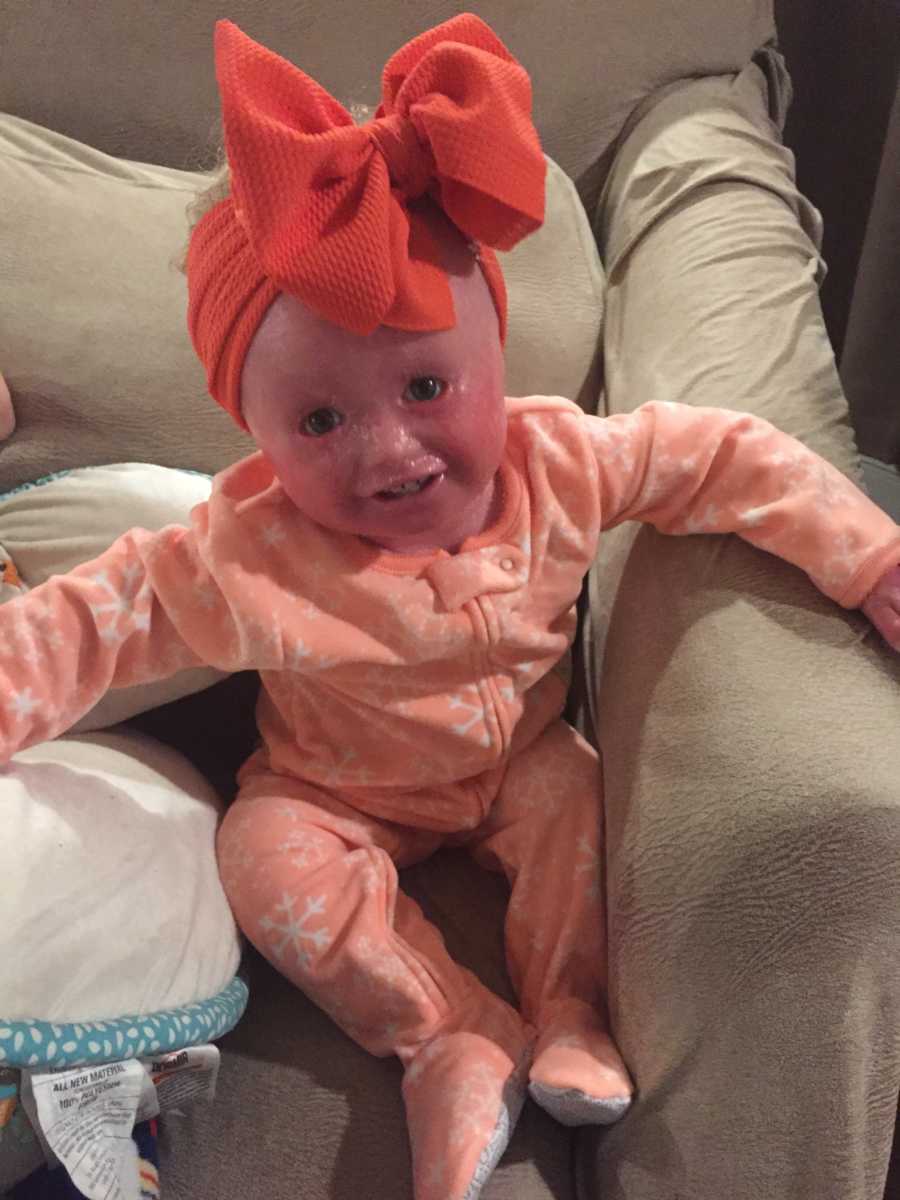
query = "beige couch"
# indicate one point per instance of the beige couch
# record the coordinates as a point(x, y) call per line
point(746, 725)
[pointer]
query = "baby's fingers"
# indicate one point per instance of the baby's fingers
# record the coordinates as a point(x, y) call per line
point(886, 620)
point(887, 589)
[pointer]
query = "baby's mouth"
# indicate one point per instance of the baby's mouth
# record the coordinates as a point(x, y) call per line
point(411, 487)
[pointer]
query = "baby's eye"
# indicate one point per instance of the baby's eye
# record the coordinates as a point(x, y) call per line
point(320, 422)
point(425, 387)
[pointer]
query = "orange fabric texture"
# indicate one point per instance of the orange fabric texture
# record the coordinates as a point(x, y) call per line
point(338, 214)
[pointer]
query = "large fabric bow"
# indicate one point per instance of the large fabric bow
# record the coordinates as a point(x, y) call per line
point(331, 212)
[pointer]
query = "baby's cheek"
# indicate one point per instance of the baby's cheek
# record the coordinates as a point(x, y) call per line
point(487, 422)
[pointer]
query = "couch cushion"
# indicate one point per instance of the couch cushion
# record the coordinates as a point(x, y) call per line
point(92, 308)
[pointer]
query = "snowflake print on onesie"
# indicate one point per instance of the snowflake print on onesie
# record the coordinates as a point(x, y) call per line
point(126, 604)
point(120, 606)
point(287, 930)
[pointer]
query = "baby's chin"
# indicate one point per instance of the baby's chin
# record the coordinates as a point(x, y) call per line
point(444, 527)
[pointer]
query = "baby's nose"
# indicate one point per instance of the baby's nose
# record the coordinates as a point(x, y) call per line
point(389, 451)
point(390, 437)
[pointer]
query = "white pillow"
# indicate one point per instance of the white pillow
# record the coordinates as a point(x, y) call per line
point(49, 527)
point(112, 902)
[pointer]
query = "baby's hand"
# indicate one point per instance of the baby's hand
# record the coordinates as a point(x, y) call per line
point(7, 415)
point(882, 607)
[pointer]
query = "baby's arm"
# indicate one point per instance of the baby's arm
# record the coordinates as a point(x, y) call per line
point(696, 470)
point(110, 623)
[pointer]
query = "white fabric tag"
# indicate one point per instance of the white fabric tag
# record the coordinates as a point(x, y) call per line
point(184, 1076)
point(85, 1117)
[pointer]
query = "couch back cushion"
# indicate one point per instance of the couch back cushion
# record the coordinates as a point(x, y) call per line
point(137, 80)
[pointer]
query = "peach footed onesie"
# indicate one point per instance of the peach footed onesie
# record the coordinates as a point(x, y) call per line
point(412, 702)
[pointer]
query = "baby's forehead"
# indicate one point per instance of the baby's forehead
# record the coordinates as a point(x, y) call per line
point(291, 331)
point(291, 334)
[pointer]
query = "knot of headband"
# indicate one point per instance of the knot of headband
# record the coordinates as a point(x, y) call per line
point(326, 210)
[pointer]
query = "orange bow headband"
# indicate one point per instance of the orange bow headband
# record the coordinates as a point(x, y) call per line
point(327, 210)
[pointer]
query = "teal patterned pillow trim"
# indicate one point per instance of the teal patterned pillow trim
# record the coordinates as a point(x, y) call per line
point(82, 1043)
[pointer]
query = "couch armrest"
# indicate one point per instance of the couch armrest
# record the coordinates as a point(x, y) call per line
point(713, 264)
point(747, 725)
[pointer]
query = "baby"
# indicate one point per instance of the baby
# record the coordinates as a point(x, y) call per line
point(401, 560)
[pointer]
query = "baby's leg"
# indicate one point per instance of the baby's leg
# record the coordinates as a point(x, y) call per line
point(313, 885)
point(544, 832)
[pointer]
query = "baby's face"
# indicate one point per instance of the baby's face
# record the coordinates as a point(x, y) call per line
point(395, 437)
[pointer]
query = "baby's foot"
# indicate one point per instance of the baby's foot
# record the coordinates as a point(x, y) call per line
point(578, 1075)
point(463, 1094)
